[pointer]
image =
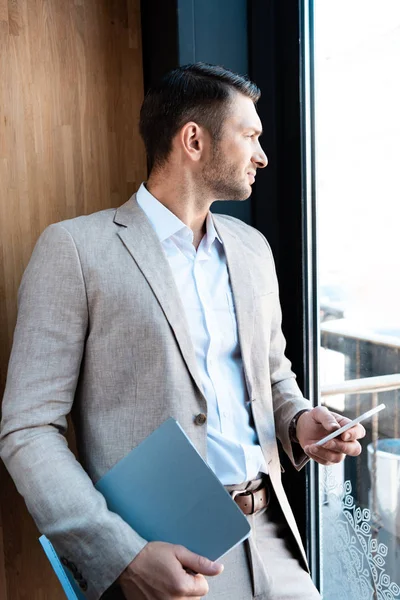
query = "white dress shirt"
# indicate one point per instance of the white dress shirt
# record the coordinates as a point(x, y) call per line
point(202, 279)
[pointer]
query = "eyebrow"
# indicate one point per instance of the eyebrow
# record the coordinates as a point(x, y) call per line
point(258, 132)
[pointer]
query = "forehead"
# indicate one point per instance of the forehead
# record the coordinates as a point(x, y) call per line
point(242, 113)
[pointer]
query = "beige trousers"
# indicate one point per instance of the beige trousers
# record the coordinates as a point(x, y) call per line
point(266, 566)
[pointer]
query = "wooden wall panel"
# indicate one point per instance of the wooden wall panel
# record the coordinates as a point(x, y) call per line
point(70, 93)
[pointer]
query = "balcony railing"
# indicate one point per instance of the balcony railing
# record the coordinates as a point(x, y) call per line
point(373, 386)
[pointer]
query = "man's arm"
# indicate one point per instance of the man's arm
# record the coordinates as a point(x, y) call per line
point(286, 394)
point(43, 372)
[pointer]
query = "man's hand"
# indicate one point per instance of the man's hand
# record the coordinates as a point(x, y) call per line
point(316, 424)
point(158, 573)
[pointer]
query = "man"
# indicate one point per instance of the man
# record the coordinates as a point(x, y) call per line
point(159, 309)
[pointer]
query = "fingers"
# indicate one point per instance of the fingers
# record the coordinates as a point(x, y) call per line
point(331, 420)
point(333, 452)
point(352, 448)
point(195, 584)
point(322, 456)
point(355, 433)
point(326, 418)
point(160, 572)
point(190, 586)
point(197, 563)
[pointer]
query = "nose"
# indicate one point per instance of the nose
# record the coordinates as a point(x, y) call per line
point(260, 158)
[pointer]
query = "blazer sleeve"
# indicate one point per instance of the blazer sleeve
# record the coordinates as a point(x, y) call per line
point(43, 372)
point(287, 397)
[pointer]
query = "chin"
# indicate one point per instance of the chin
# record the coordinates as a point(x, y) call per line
point(243, 194)
point(239, 193)
point(235, 198)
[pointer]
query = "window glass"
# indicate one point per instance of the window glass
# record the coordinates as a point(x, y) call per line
point(357, 159)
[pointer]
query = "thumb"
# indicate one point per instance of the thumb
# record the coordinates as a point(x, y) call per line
point(327, 419)
point(197, 563)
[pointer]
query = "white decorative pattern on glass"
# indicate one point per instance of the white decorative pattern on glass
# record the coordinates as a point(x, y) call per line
point(354, 560)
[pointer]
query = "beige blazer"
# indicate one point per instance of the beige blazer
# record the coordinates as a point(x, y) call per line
point(101, 333)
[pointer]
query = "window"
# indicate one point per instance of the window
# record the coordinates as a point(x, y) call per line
point(354, 131)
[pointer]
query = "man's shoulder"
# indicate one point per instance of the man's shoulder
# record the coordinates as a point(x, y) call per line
point(88, 222)
point(235, 224)
point(246, 233)
point(91, 230)
point(86, 232)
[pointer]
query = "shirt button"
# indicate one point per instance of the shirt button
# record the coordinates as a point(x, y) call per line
point(200, 419)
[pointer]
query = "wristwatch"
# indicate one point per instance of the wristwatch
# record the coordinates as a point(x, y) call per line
point(293, 425)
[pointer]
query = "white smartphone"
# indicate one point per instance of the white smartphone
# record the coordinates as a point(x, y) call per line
point(339, 431)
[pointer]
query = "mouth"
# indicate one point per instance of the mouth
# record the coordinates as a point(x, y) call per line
point(252, 177)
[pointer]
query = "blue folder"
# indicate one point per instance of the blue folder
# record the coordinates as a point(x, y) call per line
point(69, 585)
point(166, 492)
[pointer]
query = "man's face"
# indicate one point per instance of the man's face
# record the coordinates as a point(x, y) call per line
point(230, 170)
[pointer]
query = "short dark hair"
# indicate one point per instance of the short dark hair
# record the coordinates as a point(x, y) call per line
point(197, 92)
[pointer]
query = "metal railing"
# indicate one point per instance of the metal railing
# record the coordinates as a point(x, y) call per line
point(373, 386)
point(365, 385)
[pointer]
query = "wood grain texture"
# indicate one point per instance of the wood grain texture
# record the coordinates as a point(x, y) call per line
point(70, 94)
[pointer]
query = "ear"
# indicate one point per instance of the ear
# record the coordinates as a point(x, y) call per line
point(193, 138)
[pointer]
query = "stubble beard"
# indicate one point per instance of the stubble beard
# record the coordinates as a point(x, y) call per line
point(222, 178)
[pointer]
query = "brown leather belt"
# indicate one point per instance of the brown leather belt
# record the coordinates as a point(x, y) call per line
point(252, 502)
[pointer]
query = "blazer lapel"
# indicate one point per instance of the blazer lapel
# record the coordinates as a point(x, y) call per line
point(141, 241)
point(243, 292)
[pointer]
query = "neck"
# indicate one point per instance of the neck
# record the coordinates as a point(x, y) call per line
point(182, 198)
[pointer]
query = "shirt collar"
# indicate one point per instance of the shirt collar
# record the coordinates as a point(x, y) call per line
point(211, 233)
point(163, 221)
point(166, 224)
